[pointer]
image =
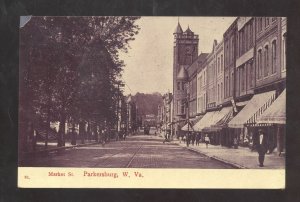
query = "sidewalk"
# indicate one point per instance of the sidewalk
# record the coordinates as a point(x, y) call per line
point(240, 158)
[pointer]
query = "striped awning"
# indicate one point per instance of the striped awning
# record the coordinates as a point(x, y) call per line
point(276, 113)
point(253, 110)
point(226, 115)
point(205, 121)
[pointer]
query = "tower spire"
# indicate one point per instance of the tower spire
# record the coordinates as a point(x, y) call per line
point(178, 29)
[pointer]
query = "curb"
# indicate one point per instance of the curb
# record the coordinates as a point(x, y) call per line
point(40, 152)
point(235, 165)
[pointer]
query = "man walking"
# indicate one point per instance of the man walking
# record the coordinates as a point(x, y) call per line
point(261, 147)
point(206, 139)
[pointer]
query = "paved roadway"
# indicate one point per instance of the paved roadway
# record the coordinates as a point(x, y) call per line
point(139, 151)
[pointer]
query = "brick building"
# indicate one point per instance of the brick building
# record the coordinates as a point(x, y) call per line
point(229, 89)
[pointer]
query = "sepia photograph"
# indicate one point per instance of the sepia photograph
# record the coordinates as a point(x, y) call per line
point(119, 97)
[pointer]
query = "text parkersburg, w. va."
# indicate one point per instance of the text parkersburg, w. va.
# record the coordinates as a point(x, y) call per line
point(103, 174)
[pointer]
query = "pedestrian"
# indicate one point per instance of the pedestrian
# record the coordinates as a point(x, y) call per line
point(184, 138)
point(193, 137)
point(235, 143)
point(188, 139)
point(197, 139)
point(206, 139)
point(166, 137)
point(261, 147)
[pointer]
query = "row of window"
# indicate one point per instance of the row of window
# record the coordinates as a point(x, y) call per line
point(229, 49)
point(267, 60)
point(201, 103)
point(245, 38)
point(220, 64)
point(245, 76)
point(264, 22)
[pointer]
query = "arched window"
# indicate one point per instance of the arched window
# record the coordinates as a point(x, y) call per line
point(243, 78)
point(259, 64)
point(218, 65)
point(222, 63)
point(222, 91)
point(218, 92)
point(274, 56)
point(284, 51)
point(266, 61)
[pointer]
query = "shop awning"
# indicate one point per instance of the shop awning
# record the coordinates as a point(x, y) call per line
point(254, 108)
point(241, 104)
point(224, 121)
point(187, 127)
point(220, 121)
point(205, 121)
point(192, 123)
point(276, 113)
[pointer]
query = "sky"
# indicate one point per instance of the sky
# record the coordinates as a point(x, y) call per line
point(149, 61)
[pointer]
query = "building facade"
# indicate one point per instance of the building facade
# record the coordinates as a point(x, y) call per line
point(268, 64)
point(283, 47)
point(245, 63)
point(230, 88)
point(212, 78)
point(202, 87)
point(220, 73)
point(229, 38)
point(185, 52)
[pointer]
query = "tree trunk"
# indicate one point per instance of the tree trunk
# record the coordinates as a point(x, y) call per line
point(47, 126)
point(81, 131)
point(73, 138)
point(61, 133)
point(89, 131)
point(96, 133)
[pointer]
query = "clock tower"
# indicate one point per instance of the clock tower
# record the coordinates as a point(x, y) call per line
point(185, 52)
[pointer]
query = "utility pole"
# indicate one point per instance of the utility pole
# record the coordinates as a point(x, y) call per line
point(119, 84)
point(188, 119)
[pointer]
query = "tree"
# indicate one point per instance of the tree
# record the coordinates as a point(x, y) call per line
point(69, 66)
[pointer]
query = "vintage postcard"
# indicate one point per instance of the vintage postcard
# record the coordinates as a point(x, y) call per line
point(152, 102)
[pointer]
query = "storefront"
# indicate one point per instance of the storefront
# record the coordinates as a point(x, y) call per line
point(276, 116)
point(248, 117)
point(219, 128)
point(204, 122)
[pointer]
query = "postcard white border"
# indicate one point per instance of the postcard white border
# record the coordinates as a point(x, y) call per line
point(38, 177)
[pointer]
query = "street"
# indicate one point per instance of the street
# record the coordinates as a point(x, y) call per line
point(140, 151)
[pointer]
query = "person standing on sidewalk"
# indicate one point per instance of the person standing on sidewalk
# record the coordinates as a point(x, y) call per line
point(188, 139)
point(197, 139)
point(206, 139)
point(261, 147)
